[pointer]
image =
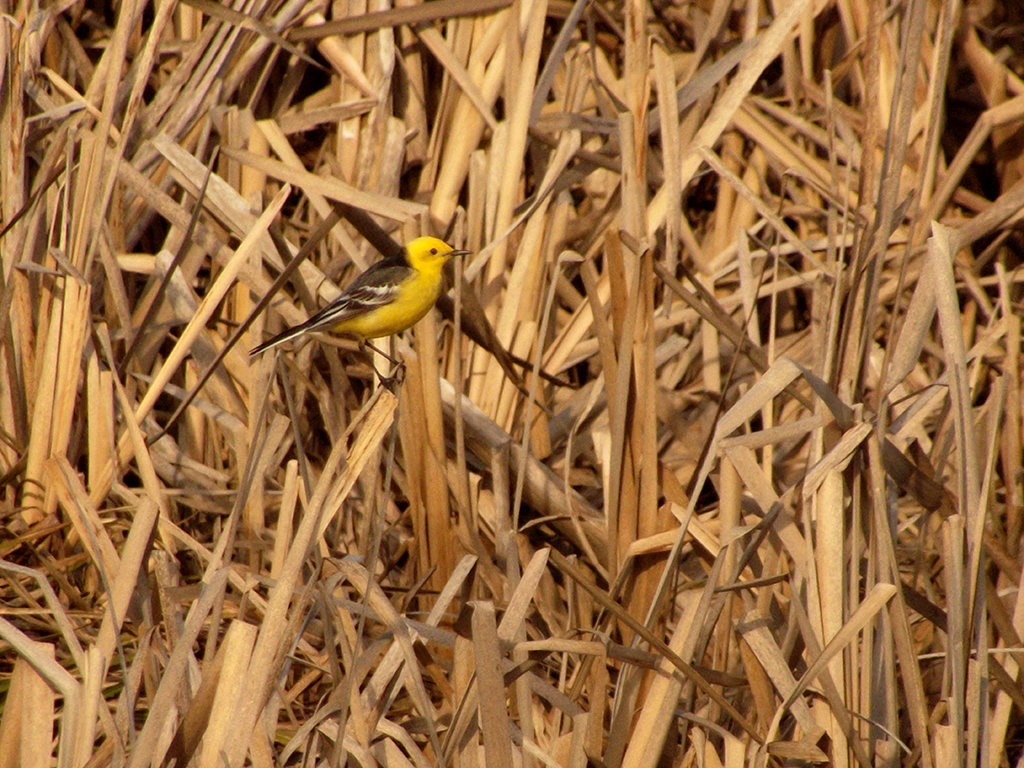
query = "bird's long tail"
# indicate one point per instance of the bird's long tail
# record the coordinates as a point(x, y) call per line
point(286, 335)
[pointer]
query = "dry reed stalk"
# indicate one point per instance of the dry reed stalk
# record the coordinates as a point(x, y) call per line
point(780, 519)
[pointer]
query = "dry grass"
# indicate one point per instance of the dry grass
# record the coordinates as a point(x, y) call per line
point(771, 515)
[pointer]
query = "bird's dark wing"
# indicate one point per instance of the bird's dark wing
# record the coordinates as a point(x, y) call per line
point(360, 297)
point(377, 286)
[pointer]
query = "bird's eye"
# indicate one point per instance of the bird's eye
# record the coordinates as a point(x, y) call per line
point(433, 251)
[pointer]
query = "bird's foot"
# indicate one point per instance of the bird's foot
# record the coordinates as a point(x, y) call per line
point(393, 382)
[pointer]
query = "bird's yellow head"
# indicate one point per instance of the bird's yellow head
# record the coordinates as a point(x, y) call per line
point(430, 253)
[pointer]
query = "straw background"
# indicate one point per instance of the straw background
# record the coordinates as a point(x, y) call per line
point(770, 512)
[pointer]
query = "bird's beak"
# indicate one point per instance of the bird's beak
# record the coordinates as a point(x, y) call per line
point(459, 252)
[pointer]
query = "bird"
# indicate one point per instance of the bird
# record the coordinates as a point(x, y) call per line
point(392, 295)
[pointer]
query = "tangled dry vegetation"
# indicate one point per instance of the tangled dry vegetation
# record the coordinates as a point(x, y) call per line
point(767, 512)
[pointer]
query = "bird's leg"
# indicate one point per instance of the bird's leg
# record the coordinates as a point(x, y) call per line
point(398, 371)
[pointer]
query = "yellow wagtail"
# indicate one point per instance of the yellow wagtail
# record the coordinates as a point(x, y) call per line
point(391, 295)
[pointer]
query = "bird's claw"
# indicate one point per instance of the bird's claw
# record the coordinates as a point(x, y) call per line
point(395, 380)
